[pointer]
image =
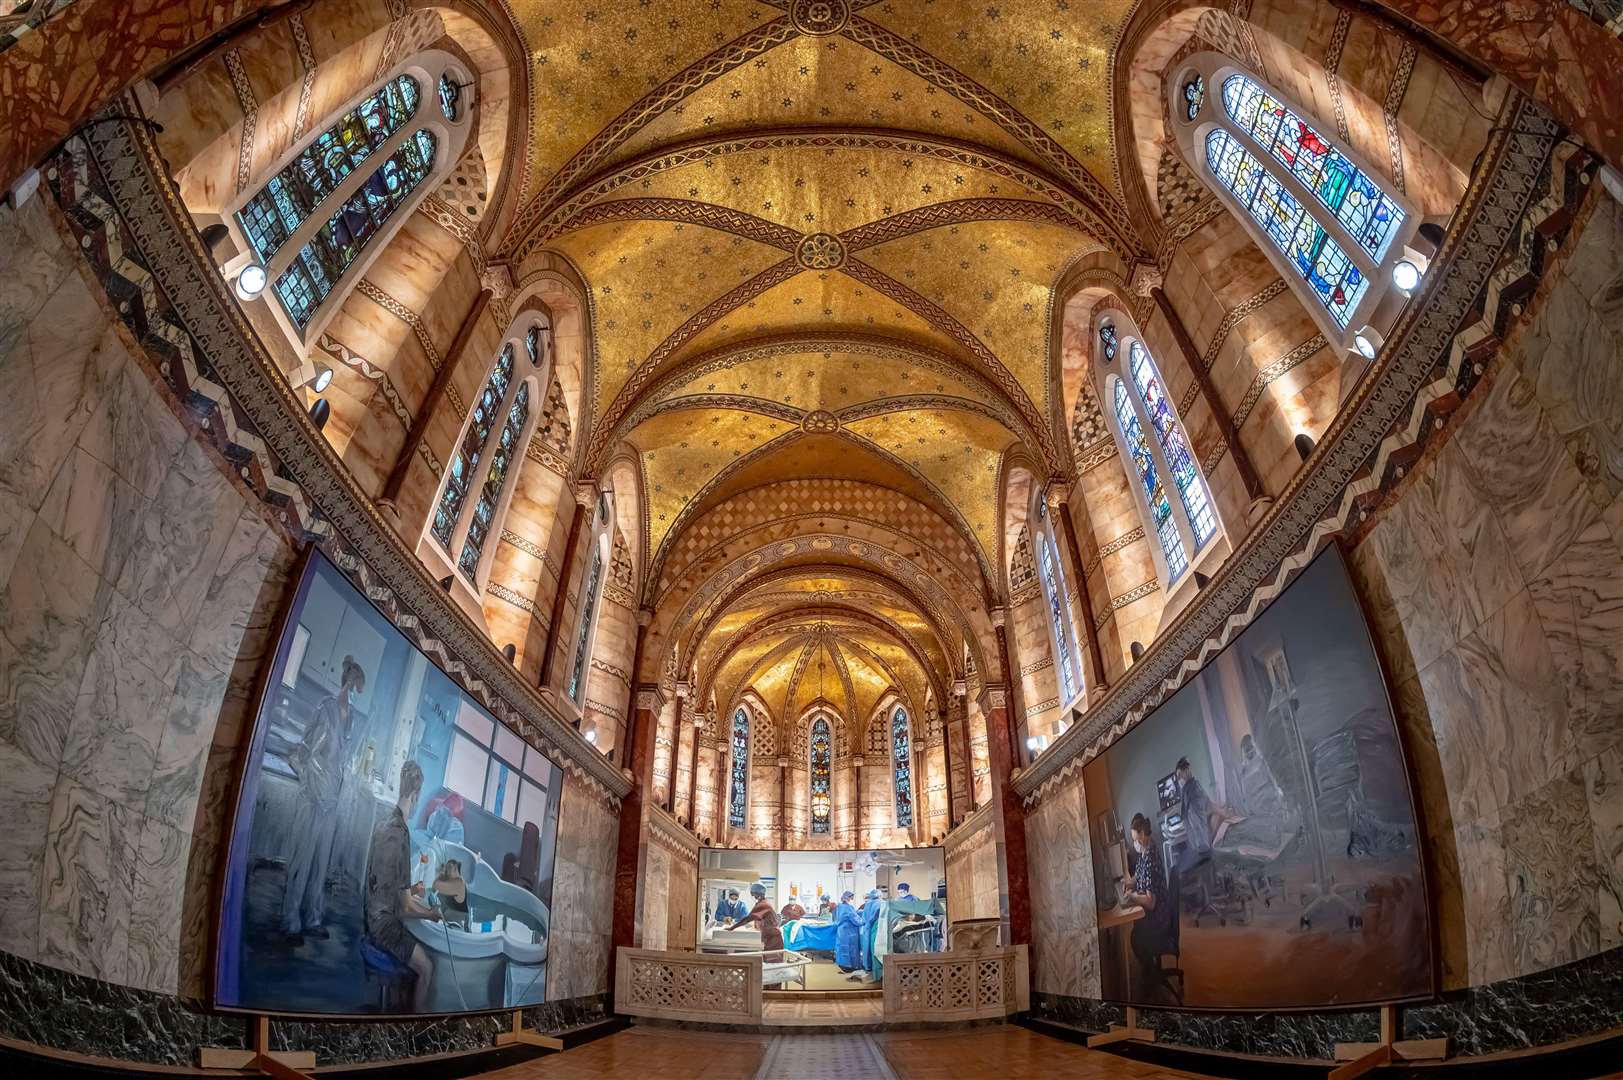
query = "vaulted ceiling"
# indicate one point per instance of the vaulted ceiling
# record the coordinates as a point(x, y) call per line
point(821, 240)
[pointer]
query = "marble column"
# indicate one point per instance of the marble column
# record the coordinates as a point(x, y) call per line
point(585, 503)
point(1208, 391)
point(628, 863)
point(433, 399)
point(1010, 817)
point(960, 762)
point(1016, 709)
point(1059, 505)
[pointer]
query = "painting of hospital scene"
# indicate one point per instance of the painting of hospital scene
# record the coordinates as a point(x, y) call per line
point(1259, 822)
point(822, 920)
point(392, 851)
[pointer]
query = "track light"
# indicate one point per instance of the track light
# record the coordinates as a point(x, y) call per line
point(1304, 445)
point(323, 378)
point(1405, 275)
point(320, 413)
point(511, 652)
point(1366, 345)
point(591, 737)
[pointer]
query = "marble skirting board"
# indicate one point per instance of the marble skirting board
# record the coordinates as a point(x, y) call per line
point(1573, 1001)
point(53, 1008)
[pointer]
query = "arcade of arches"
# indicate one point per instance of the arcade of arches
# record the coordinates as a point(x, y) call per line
point(814, 426)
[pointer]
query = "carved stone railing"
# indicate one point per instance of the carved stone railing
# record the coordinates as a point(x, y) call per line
point(983, 985)
point(701, 987)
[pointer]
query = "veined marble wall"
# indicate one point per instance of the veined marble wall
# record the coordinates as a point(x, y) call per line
point(1494, 588)
point(139, 585)
point(972, 869)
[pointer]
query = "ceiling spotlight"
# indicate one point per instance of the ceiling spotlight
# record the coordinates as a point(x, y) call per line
point(1365, 344)
point(323, 378)
point(1405, 275)
point(251, 282)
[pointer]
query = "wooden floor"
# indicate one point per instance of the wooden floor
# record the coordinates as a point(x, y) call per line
point(1000, 1053)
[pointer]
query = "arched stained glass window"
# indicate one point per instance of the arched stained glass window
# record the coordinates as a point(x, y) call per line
point(1334, 278)
point(822, 761)
point(501, 461)
point(1367, 213)
point(1138, 448)
point(272, 216)
point(535, 342)
point(738, 789)
point(1173, 445)
point(316, 271)
point(901, 747)
point(583, 641)
point(466, 461)
point(1054, 587)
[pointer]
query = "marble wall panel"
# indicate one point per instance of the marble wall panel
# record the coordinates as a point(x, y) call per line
point(1065, 956)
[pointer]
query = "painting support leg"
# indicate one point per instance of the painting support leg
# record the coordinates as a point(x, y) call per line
point(1123, 1033)
point(1366, 1057)
point(521, 1034)
point(280, 1064)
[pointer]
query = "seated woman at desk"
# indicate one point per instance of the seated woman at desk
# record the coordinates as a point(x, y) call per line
point(1152, 933)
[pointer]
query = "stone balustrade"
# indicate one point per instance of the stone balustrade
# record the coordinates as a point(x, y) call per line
point(688, 986)
point(982, 984)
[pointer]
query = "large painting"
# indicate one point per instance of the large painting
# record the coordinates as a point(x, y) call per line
point(822, 920)
point(392, 850)
point(1254, 839)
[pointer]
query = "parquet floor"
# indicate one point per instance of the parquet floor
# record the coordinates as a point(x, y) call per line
point(998, 1053)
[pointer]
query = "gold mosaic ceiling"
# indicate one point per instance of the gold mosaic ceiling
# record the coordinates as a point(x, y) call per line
point(820, 231)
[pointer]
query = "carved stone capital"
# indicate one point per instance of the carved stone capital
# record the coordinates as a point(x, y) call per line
point(586, 494)
point(1146, 277)
point(1057, 494)
point(498, 278)
point(999, 616)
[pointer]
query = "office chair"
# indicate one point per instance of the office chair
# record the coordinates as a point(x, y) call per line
point(1174, 938)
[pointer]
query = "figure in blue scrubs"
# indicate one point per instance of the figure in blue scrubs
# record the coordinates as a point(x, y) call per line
point(847, 935)
point(872, 909)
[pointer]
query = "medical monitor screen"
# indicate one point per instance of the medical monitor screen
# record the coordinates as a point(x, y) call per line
point(822, 920)
point(1284, 871)
point(392, 850)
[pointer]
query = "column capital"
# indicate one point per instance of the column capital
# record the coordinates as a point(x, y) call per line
point(1058, 493)
point(644, 616)
point(999, 616)
point(683, 689)
point(650, 697)
point(586, 494)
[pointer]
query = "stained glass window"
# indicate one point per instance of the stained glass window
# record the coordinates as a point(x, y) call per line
point(501, 461)
point(450, 94)
point(1108, 342)
point(1173, 446)
point(1362, 208)
point(533, 343)
point(1056, 614)
point(273, 215)
point(1335, 278)
point(469, 453)
point(902, 753)
point(321, 263)
point(738, 789)
point(1166, 529)
point(583, 641)
point(822, 758)
point(1194, 95)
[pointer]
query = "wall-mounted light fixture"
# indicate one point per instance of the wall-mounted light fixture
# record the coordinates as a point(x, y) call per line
point(252, 281)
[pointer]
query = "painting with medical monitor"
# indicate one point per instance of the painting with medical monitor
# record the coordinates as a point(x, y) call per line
point(392, 849)
point(822, 920)
point(1254, 838)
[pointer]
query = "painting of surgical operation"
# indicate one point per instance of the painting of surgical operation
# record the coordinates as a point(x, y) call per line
point(392, 850)
point(1253, 838)
point(822, 920)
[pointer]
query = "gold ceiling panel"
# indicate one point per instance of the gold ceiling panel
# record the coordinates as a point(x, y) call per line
point(829, 380)
point(772, 683)
point(739, 663)
point(1049, 60)
point(868, 683)
point(958, 452)
point(995, 277)
point(820, 82)
point(683, 451)
point(817, 301)
point(647, 278)
point(592, 60)
point(811, 686)
point(813, 189)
